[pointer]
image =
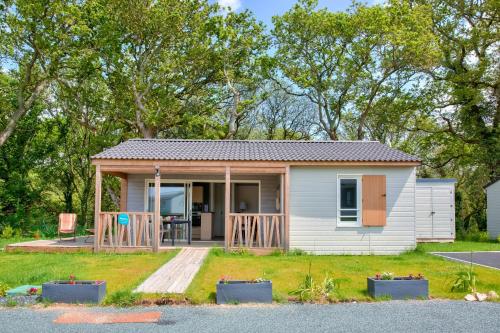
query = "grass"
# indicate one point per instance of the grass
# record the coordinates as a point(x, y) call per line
point(287, 271)
point(459, 246)
point(122, 272)
point(4, 242)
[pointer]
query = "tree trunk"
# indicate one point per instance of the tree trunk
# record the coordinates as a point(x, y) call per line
point(146, 131)
point(23, 107)
point(233, 116)
point(114, 198)
point(332, 133)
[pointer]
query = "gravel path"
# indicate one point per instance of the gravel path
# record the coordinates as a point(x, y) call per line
point(395, 316)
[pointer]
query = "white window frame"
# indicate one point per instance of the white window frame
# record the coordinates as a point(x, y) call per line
point(359, 201)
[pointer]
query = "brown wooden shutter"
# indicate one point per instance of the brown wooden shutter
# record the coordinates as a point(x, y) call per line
point(374, 201)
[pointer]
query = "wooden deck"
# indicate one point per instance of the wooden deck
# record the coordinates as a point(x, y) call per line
point(85, 244)
point(82, 244)
point(176, 275)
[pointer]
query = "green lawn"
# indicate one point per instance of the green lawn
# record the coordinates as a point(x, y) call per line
point(287, 271)
point(122, 272)
point(4, 241)
point(459, 246)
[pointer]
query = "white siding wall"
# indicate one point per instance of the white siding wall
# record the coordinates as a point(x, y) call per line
point(493, 209)
point(437, 197)
point(313, 213)
point(268, 186)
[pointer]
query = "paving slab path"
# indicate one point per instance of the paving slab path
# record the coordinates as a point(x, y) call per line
point(176, 275)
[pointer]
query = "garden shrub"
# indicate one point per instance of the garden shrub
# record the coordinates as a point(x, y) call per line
point(309, 290)
point(296, 252)
point(473, 236)
point(123, 298)
point(7, 232)
point(3, 289)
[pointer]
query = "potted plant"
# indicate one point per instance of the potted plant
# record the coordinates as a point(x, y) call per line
point(398, 287)
point(74, 291)
point(248, 291)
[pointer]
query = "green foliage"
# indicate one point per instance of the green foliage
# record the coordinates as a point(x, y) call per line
point(465, 282)
point(306, 289)
point(419, 75)
point(387, 276)
point(296, 252)
point(353, 64)
point(123, 298)
point(11, 302)
point(7, 232)
point(309, 290)
point(3, 289)
point(466, 279)
point(217, 251)
point(279, 298)
point(240, 251)
point(473, 236)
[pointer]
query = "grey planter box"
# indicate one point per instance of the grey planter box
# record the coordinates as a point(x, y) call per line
point(244, 292)
point(399, 288)
point(80, 292)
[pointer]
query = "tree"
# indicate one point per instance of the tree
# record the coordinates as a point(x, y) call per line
point(26, 151)
point(285, 117)
point(240, 48)
point(464, 98)
point(460, 117)
point(36, 39)
point(157, 59)
point(346, 63)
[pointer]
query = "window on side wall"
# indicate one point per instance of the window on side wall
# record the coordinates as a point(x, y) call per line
point(349, 201)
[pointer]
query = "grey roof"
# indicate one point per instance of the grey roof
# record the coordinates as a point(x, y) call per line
point(255, 150)
point(436, 180)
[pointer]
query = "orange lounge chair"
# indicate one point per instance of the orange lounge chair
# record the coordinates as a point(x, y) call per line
point(67, 225)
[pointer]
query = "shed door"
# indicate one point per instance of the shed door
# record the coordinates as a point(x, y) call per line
point(444, 212)
point(423, 211)
point(435, 212)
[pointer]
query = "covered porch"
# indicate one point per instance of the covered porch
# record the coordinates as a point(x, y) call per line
point(230, 203)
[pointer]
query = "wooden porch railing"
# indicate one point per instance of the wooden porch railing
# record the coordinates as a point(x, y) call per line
point(138, 232)
point(256, 230)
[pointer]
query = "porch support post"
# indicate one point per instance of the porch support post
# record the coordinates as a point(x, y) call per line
point(123, 193)
point(97, 207)
point(286, 205)
point(227, 208)
point(157, 216)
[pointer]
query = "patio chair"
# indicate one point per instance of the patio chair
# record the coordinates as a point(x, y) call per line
point(67, 225)
point(165, 227)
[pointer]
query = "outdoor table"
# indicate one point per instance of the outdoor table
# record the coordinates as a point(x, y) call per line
point(175, 222)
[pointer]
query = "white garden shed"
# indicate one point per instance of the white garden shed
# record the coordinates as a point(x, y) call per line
point(493, 209)
point(435, 210)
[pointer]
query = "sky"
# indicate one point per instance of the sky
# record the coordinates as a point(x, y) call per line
point(264, 10)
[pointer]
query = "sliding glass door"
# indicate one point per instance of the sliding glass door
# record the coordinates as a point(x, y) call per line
point(175, 199)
